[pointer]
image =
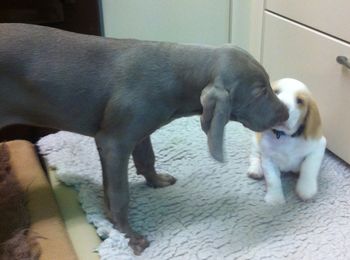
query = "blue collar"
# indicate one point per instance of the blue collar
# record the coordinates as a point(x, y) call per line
point(279, 133)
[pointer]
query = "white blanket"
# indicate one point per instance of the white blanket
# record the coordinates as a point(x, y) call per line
point(214, 211)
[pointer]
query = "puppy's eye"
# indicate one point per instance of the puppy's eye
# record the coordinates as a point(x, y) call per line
point(300, 101)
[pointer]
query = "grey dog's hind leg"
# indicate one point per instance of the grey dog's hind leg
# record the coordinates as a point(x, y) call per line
point(144, 160)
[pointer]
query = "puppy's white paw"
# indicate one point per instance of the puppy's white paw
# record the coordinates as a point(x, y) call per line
point(255, 172)
point(274, 198)
point(306, 189)
point(255, 175)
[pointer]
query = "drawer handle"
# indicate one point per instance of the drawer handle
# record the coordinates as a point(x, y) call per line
point(343, 61)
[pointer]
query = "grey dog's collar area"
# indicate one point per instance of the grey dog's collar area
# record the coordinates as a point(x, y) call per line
point(299, 132)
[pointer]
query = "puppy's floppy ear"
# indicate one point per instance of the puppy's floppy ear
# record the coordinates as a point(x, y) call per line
point(216, 113)
point(312, 121)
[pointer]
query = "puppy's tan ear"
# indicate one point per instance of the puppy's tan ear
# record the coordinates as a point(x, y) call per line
point(312, 121)
point(216, 113)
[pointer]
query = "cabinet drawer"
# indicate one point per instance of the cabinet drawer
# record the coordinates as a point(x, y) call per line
point(292, 50)
point(329, 16)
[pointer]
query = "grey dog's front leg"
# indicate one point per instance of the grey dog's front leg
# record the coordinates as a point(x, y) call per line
point(114, 157)
point(144, 160)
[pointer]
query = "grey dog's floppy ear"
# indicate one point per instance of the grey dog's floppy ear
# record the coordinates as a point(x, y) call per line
point(216, 113)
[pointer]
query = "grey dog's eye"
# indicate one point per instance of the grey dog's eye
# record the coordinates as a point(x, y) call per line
point(276, 91)
point(259, 92)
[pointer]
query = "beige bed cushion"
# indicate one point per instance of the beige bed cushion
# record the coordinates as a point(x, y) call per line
point(45, 216)
point(82, 234)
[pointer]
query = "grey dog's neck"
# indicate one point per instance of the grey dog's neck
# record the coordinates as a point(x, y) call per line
point(196, 71)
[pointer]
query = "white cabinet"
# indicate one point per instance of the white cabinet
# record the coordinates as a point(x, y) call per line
point(328, 16)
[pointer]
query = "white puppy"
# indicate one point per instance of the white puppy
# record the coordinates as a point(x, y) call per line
point(297, 145)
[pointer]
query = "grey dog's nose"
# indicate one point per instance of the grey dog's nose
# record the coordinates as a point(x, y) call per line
point(283, 113)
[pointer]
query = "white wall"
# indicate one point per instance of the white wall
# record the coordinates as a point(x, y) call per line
point(190, 21)
point(246, 25)
point(240, 22)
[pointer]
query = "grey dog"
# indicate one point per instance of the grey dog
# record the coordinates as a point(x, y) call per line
point(120, 91)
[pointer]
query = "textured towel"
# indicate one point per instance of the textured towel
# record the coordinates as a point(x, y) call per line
point(214, 211)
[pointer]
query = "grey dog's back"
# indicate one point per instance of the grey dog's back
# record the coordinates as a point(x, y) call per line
point(36, 63)
point(42, 62)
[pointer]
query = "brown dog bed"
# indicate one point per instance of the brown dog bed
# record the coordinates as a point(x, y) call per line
point(30, 224)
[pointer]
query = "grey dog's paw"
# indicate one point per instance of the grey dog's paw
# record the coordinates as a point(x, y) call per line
point(138, 243)
point(161, 180)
